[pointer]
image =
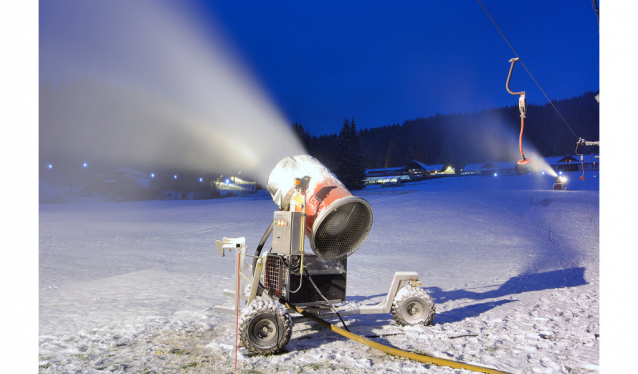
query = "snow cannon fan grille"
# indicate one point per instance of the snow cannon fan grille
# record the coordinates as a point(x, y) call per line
point(337, 222)
point(342, 230)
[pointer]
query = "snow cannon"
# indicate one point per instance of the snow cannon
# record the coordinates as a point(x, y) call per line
point(280, 281)
point(559, 183)
point(336, 222)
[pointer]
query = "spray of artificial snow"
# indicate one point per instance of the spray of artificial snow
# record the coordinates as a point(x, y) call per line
point(165, 89)
point(496, 140)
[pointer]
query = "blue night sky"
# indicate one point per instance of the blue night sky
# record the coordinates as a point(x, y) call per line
point(378, 62)
point(384, 62)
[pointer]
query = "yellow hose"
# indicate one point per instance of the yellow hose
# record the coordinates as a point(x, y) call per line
point(394, 351)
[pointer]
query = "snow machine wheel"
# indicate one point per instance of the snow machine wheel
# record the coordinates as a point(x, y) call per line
point(413, 306)
point(265, 327)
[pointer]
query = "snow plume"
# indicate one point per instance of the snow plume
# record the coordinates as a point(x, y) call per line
point(498, 140)
point(139, 83)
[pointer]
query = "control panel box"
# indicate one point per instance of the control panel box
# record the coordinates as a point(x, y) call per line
point(288, 233)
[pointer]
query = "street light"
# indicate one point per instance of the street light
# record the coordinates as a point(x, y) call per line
point(49, 175)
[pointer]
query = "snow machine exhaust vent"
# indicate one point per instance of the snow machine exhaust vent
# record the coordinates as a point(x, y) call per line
point(342, 230)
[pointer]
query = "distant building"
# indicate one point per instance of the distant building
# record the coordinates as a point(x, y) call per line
point(490, 169)
point(414, 171)
point(420, 169)
point(235, 184)
point(384, 172)
point(123, 183)
point(590, 162)
point(137, 177)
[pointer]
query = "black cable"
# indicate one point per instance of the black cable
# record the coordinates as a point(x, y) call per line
point(261, 244)
point(326, 300)
point(295, 268)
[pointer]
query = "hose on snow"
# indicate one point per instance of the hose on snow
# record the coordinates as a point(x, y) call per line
point(390, 350)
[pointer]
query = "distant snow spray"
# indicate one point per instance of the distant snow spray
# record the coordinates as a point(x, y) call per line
point(522, 107)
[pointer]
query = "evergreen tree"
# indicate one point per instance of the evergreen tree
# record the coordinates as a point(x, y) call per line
point(302, 134)
point(349, 157)
point(357, 159)
point(445, 157)
point(393, 157)
point(341, 154)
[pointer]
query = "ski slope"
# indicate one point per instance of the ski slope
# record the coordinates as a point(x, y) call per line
point(512, 265)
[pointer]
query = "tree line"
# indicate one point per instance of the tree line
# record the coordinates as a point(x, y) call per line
point(458, 139)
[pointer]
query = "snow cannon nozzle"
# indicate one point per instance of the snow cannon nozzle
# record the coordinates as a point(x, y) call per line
point(560, 182)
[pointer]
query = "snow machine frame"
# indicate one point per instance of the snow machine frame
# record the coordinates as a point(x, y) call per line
point(265, 325)
point(250, 278)
point(317, 206)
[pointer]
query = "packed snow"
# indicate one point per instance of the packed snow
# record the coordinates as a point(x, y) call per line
point(512, 265)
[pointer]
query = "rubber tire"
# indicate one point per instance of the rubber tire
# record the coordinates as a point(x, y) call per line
point(265, 327)
point(413, 306)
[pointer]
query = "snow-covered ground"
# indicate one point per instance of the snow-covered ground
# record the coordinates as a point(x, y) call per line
point(512, 265)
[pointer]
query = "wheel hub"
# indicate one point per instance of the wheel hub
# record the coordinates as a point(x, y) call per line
point(414, 309)
point(265, 330)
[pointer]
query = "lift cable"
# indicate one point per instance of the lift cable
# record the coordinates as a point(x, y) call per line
point(528, 72)
point(594, 5)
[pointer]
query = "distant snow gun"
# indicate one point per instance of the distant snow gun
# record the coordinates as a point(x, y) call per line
point(559, 182)
point(522, 107)
point(586, 143)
